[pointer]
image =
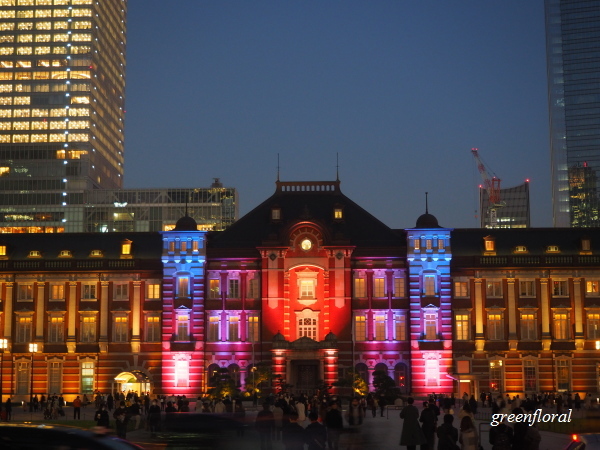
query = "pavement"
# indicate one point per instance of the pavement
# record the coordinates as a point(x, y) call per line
point(375, 433)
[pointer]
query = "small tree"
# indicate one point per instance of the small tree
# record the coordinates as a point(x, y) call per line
point(261, 373)
point(355, 382)
point(223, 384)
point(384, 385)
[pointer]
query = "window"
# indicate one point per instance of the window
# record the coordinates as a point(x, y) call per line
point(552, 249)
point(2, 247)
point(360, 327)
point(431, 326)
point(490, 244)
point(562, 374)
point(429, 285)
point(380, 327)
point(496, 378)
point(234, 288)
point(560, 288)
point(461, 289)
point(214, 288)
point(400, 327)
point(183, 327)
point(527, 288)
point(307, 327)
point(495, 326)
point(338, 213)
point(378, 287)
point(153, 291)
point(399, 287)
point(432, 371)
point(307, 288)
point(56, 330)
point(561, 325)
point(276, 214)
point(592, 288)
point(23, 376)
point(54, 377)
point(253, 328)
point(417, 242)
point(121, 292)
point(88, 329)
point(520, 249)
point(529, 375)
point(121, 327)
point(88, 292)
point(462, 326)
point(182, 373)
point(24, 324)
point(183, 286)
point(126, 247)
point(152, 328)
point(494, 288)
point(593, 326)
point(440, 244)
point(586, 246)
point(213, 329)
point(528, 326)
point(87, 378)
point(233, 328)
point(25, 292)
point(65, 254)
point(252, 288)
point(359, 288)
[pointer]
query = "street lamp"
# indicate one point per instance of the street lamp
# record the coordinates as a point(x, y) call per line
point(3, 346)
point(33, 348)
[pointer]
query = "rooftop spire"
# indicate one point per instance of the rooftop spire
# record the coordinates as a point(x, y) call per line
point(337, 166)
point(426, 203)
point(277, 166)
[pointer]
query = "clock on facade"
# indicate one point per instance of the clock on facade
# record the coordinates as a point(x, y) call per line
point(306, 245)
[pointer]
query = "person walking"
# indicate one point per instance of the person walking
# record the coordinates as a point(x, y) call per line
point(154, 417)
point(121, 419)
point(8, 408)
point(412, 434)
point(447, 434)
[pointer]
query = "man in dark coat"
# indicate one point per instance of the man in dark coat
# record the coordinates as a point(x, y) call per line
point(447, 434)
point(292, 434)
point(316, 435)
point(428, 420)
point(412, 435)
point(334, 423)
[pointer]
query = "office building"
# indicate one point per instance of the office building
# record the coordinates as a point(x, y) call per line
point(511, 212)
point(310, 285)
point(573, 66)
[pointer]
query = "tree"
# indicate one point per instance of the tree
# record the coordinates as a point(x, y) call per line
point(355, 382)
point(261, 373)
point(223, 384)
point(384, 385)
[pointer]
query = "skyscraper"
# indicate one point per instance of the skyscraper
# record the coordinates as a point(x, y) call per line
point(513, 210)
point(62, 82)
point(573, 65)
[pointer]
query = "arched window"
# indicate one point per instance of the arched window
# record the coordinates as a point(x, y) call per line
point(234, 373)
point(211, 375)
point(381, 367)
point(363, 371)
point(401, 377)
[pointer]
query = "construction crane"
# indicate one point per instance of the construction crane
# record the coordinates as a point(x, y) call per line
point(491, 184)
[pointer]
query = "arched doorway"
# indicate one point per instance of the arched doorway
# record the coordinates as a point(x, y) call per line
point(134, 381)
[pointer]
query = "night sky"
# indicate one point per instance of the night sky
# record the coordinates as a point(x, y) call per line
point(401, 90)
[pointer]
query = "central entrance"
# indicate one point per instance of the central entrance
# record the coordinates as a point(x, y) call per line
point(305, 375)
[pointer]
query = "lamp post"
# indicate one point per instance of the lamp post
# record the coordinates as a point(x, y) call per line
point(3, 346)
point(33, 348)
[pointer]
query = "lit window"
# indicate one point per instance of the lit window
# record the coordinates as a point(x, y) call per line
point(496, 376)
point(88, 292)
point(55, 376)
point(34, 254)
point(121, 325)
point(417, 242)
point(586, 245)
point(276, 214)
point(253, 329)
point(528, 327)
point(88, 329)
point(153, 328)
point(65, 254)
point(182, 373)
point(429, 285)
point(214, 286)
point(359, 288)
point(307, 327)
point(561, 326)
point(213, 329)
point(234, 328)
point(253, 291)
point(153, 291)
point(56, 329)
point(593, 326)
point(2, 250)
point(360, 327)
point(400, 327)
point(530, 375)
point(338, 213)
point(399, 287)
point(57, 292)
point(462, 327)
point(23, 332)
point(25, 292)
point(126, 247)
point(96, 254)
point(378, 287)
point(490, 244)
point(441, 245)
point(432, 371)
point(380, 327)
point(431, 326)
point(520, 249)
point(563, 375)
point(183, 286)
point(495, 324)
point(183, 327)
point(552, 249)
point(428, 244)
point(307, 288)
point(87, 378)
point(461, 289)
point(592, 288)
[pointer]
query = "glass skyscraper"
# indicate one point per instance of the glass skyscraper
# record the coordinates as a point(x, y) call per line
point(513, 211)
point(573, 65)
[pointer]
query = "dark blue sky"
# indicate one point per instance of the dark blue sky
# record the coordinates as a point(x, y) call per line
point(401, 90)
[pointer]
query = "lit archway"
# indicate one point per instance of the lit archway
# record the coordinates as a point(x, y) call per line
point(134, 381)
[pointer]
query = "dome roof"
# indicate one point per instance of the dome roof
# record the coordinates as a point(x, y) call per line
point(427, 221)
point(186, 223)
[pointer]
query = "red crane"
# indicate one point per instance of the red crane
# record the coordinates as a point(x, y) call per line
point(491, 183)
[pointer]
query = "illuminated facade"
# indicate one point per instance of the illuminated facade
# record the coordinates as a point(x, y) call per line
point(572, 45)
point(313, 285)
point(513, 211)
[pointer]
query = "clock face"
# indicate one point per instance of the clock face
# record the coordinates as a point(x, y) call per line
point(306, 244)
